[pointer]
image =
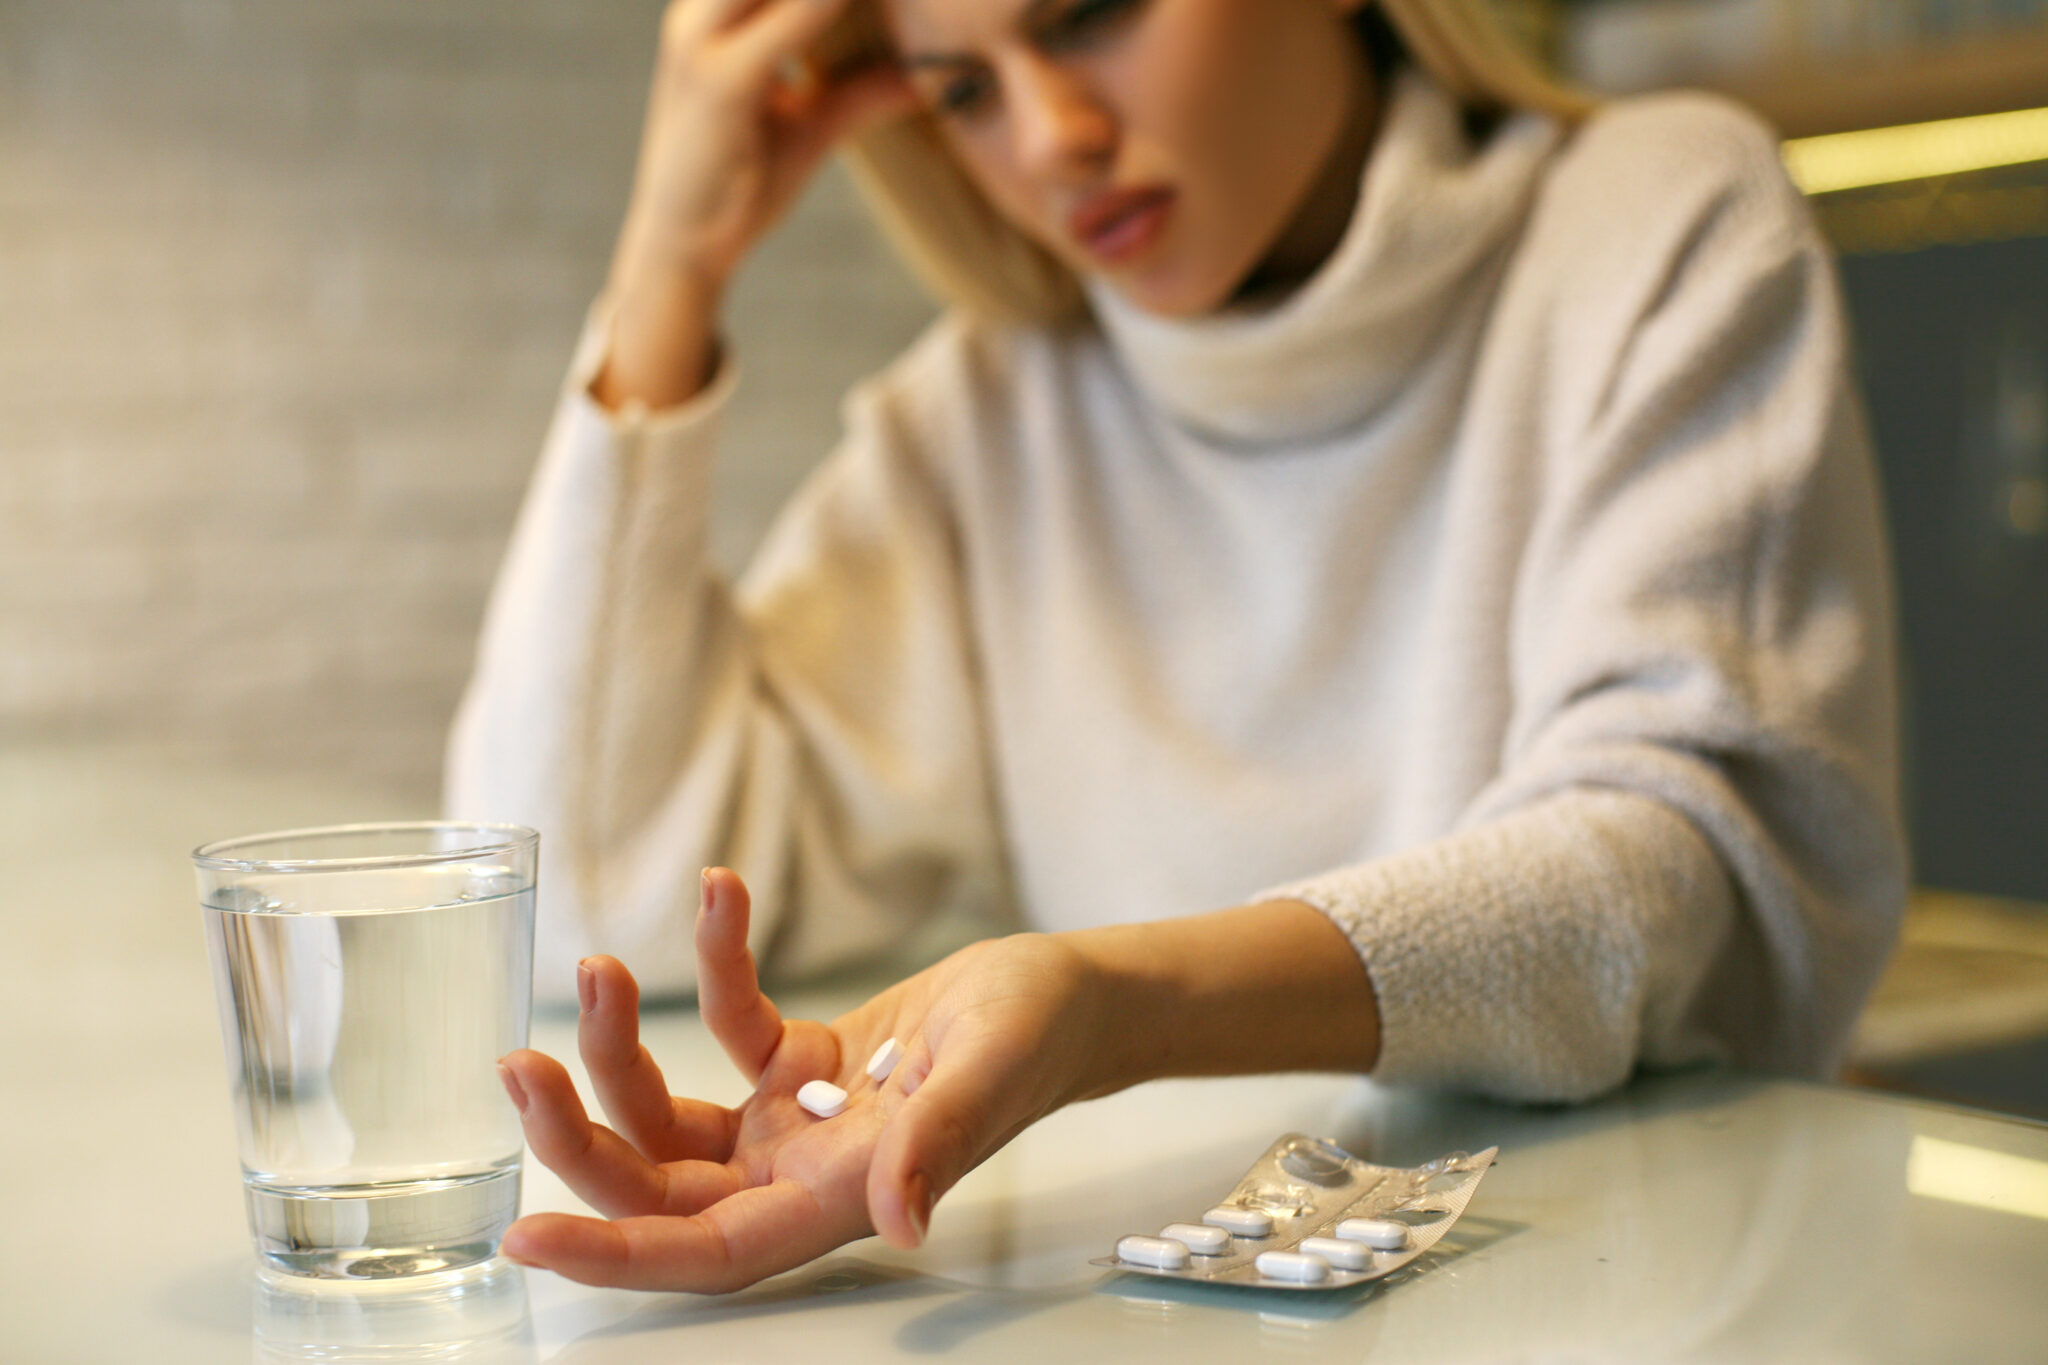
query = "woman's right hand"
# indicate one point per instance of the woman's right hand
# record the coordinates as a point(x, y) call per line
point(707, 1199)
point(737, 121)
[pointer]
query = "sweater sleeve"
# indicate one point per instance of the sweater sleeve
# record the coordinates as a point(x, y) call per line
point(817, 729)
point(1692, 847)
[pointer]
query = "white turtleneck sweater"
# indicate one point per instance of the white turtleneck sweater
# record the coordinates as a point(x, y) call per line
point(1513, 592)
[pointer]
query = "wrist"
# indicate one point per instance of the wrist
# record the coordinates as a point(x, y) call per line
point(662, 349)
point(1273, 986)
point(1123, 998)
point(650, 259)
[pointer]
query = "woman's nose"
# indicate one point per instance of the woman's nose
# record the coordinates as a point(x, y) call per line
point(1061, 126)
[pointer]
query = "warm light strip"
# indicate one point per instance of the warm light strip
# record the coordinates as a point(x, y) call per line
point(1915, 151)
point(1963, 1174)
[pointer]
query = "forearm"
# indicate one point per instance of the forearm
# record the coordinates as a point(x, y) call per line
point(599, 666)
point(1268, 987)
point(1543, 954)
point(662, 350)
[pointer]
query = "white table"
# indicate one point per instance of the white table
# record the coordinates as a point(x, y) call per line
point(1704, 1217)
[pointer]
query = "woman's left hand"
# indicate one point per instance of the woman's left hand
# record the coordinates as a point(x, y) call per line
point(703, 1198)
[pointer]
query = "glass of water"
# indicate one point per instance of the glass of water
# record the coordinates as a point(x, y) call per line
point(369, 977)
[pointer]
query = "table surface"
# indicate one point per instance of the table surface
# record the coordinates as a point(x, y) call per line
point(1703, 1217)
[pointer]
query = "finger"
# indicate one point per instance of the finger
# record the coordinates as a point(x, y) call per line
point(745, 1022)
point(778, 31)
point(756, 1233)
point(601, 1167)
point(627, 1079)
point(692, 21)
point(954, 1118)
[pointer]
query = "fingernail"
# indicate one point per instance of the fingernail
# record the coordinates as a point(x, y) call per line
point(917, 1202)
point(586, 986)
point(505, 1250)
point(512, 1087)
point(704, 906)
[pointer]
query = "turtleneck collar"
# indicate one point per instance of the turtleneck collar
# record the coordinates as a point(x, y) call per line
point(1432, 212)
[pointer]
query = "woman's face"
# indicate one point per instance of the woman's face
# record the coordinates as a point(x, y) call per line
point(1175, 149)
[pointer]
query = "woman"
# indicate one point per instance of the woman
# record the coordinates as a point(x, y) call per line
point(1359, 485)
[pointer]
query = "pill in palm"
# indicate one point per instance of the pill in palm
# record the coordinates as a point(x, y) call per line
point(1379, 1233)
point(1161, 1253)
point(822, 1098)
point(1240, 1220)
point(885, 1059)
point(1198, 1238)
point(1292, 1265)
point(1341, 1254)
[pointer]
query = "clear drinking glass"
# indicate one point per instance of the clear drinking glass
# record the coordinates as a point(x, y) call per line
point(369, 977)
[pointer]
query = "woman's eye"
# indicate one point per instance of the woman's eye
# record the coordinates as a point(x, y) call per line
point(970, 93)
point(964, 94)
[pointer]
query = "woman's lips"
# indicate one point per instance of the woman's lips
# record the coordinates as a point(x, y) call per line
point(1116, 225)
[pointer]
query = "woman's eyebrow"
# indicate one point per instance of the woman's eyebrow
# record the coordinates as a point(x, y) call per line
point(1030, 19)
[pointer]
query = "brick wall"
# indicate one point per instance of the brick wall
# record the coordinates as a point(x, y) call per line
point(285, 293)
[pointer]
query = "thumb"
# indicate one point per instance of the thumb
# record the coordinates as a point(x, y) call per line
point(956, 1118)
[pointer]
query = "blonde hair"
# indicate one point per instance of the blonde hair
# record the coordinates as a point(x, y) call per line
point(969, 255)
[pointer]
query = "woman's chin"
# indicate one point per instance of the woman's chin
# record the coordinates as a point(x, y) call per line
point(1165, 295)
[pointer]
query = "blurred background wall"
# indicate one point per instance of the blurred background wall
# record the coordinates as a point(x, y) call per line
point(286, 290)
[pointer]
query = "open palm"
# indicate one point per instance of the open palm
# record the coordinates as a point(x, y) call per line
point(700, 1197)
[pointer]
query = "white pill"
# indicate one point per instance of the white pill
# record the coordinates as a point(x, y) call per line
point(1242, 1221)
point(1378, 1233)
point(1343, 1255)
point(822, 1098)
point(885, 1059)
point(1292, 1265)
point(1198, 1238)
point(1161, 1253)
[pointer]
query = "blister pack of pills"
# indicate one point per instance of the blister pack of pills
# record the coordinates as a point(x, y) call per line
point(1309, 1215)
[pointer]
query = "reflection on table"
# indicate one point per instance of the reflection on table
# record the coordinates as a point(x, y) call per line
point(1707, 1216)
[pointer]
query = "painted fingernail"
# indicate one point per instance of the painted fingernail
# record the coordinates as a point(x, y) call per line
point(586, 986)
point(513, 1087)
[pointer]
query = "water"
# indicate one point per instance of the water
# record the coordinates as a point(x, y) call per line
point(375, 1139)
